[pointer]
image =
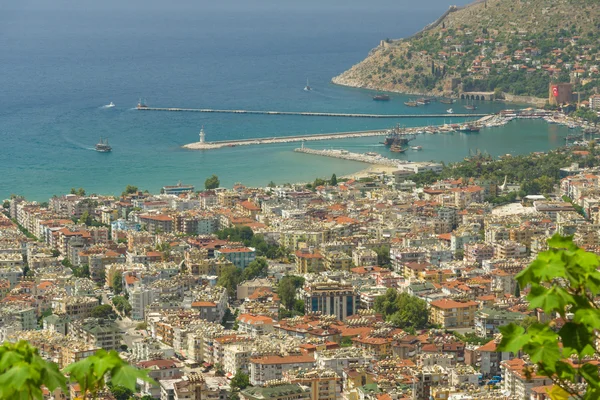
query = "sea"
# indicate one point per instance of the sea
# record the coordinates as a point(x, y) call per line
point(61, 62)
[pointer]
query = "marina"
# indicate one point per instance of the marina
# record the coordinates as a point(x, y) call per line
point(306, 113)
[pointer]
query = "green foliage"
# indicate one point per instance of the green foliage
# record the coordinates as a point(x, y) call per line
point(240, 381)
point(120, 392)
point(299, 306)
point(23, 372)
point(245, 235)
point(402, 309)
point(6, 204)
point(117, 282)
point(319, 182)
point(103, 311)
point(81, 272)
point(383, 256)
point(229, 279)
point(92, 372)
point(346, 342)
point(122, 305)
point(212, 182)
point(563, 279)
point(257, 268)
point(78, 192)
point(333, 181)
point(129, 189)
point(86, 219)
point(287, 290)
point(142, 326)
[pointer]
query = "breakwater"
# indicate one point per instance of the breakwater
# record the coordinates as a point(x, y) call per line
point(310, 113)
point(375, 159)
point(284, 139)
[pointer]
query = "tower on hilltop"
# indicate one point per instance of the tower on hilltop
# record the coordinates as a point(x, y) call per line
point(202, 135)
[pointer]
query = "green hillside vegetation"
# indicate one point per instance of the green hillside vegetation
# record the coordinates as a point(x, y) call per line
point(516, 47)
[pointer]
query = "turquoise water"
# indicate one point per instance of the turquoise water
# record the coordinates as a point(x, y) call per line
point(61, 65)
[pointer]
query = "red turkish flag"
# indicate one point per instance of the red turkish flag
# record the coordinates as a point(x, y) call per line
point(555, 91)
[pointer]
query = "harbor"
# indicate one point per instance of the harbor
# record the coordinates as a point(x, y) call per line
point(409, 133)
point(203, 145)
point(308, 113)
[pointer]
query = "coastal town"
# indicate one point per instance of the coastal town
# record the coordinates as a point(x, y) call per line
point(376, 288)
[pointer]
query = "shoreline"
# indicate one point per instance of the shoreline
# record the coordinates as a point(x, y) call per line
point(373, 169)
point(433, 94)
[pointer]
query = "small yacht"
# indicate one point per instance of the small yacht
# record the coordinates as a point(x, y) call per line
point(307, 87)
point(110, 105)
point(450, 111)
point(416, 147)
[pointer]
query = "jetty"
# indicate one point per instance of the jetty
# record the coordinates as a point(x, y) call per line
point(375, 159)
point(309, 113)
point(283, 139)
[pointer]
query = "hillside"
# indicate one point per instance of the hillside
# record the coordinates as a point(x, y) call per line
point(512, 46)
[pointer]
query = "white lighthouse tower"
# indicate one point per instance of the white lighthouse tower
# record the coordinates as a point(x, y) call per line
point(202, 136)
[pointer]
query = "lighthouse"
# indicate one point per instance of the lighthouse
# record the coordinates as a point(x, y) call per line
point(202, 136)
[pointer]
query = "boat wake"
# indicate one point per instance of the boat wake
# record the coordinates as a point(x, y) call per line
point(110, 105)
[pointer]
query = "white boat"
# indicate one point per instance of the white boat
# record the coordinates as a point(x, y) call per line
point(450, 111)
point(110, 105)
point(416, 147)
point(307, 87)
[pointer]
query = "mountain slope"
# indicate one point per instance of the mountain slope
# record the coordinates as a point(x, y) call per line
point(513, 46)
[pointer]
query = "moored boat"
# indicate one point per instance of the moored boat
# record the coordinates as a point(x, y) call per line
point(411, 103)
point(381, 97)
point(397, 149)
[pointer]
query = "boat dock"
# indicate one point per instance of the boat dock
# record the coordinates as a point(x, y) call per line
point(377, 159)
point(311, 114)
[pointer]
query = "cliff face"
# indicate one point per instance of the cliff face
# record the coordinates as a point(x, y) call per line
point(514, 46)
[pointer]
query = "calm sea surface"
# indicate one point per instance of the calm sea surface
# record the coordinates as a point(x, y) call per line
point(60, 62)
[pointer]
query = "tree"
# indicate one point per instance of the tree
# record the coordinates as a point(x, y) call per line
point(6, 204)
point(402, 309)
point(86, 218)
point(240, 381)
point(23, 372)
point(287, 290)
point(120, 392)
point(383, 255)
point(122, 305)
point(257, 268)
point(129, 189)
point(81, 192)
point(212, 182)
point(117, 282)
point(229, 279)
point(103, 311)
point(333, 181)
point(517, 291)
point(563, 280)
point(271, 184)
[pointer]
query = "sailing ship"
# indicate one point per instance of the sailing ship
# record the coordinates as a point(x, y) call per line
point(141, 104)
point(103, 146)
point(307, 88)
point(423, 101)
point(411, 103)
